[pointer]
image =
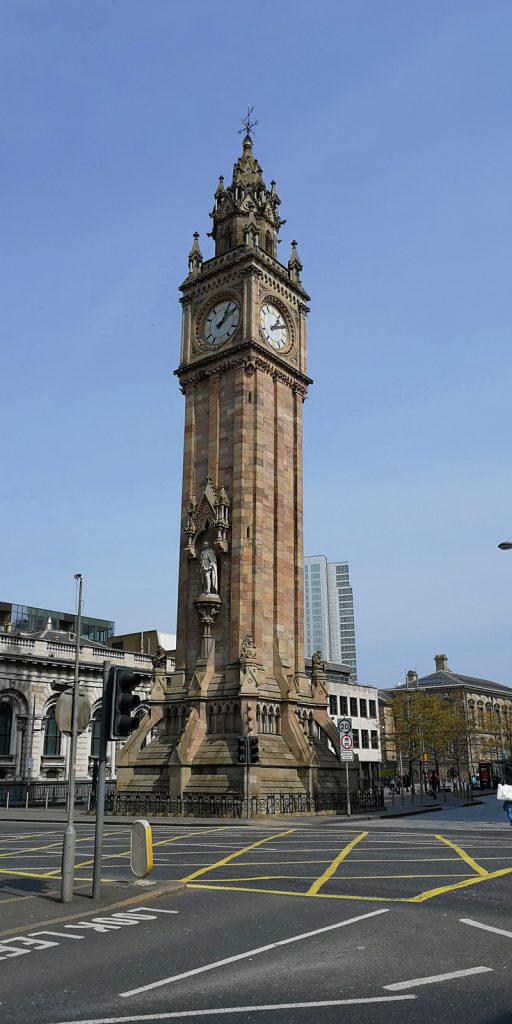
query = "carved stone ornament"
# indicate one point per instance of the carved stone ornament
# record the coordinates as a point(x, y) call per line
point(212, 510)
point(208, 607)
point(247, 649)
point(317, 663)
point(295, 379)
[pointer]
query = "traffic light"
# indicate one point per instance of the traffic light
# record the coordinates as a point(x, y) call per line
point(241, 750)
point(254, 754)
point(122, 681)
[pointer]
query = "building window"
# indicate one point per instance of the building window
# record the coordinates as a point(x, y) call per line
point(373, 708)
point(333, 704)
point(374, 739)
point(353, 707)
point(5, 728)
point(364, 739)
point(343, 706)
point(362, 708)
point(52, 736)
point(355, 733)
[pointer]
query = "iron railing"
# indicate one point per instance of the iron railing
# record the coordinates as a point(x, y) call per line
point(231, 805)
point(47, 794)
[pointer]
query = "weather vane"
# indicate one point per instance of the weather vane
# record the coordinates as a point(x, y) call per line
point(248, 125)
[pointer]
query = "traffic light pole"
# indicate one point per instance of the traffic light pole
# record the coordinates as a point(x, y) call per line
point(68, 848)
point(100, 791)
point(248, 777)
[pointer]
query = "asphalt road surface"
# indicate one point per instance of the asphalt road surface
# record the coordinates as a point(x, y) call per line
point(326, 921)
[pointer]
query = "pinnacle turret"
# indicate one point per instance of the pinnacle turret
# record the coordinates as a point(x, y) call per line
point(246, 212)
point(195, 257)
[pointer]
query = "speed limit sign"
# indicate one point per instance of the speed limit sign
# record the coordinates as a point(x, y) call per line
point(344, 725)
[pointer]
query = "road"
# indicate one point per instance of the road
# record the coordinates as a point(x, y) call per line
point(325, 920)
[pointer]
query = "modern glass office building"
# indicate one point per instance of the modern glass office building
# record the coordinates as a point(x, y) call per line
point(23, 618)
point(329, 612)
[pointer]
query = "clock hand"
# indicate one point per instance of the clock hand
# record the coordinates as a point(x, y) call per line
point(226, 314)
point(277, 326)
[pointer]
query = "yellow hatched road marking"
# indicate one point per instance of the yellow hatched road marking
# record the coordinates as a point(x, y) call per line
point(464, 856)
point(126, 853)
point(304, 895)
point(12, 854)
point(460, 885)
point(333, 866)
point(430, 894)
point(238, 853)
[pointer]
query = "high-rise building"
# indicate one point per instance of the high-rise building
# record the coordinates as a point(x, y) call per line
point(329, 612)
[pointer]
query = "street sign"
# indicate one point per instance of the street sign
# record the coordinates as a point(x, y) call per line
point(346, 755)
point(344, 725)
point(64, 709)
point(347, 741)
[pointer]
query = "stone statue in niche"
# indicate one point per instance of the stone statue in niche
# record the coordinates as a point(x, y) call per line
point(208, 569)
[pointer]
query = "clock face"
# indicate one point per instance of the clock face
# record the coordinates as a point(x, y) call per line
point(273, 326)
point(221, 322)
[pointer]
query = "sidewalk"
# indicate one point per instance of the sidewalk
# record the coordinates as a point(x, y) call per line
point(29, 912)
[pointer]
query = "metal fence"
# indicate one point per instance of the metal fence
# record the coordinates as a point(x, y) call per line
point(232, 805)
point(47, 794)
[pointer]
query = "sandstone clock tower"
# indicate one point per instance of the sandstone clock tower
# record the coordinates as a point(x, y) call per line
point(240, 631)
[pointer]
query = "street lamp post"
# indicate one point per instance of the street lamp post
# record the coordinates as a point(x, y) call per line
point(68, 850)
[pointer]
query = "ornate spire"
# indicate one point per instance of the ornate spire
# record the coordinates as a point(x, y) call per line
point(294, 265)
point(195, 257)
point(246, 212)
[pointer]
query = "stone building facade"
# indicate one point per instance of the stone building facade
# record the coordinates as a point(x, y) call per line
point(486, 707)
point(30, 665)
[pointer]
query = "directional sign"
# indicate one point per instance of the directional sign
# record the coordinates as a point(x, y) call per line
point(347, 741)
point(344, 724)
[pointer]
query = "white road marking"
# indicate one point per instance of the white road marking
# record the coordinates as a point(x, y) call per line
point(399, 985)
point(251, 952)
point(485, 927)
point(179, 1014)
point(154, 910)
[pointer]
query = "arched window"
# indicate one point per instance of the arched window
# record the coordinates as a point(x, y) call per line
point(268, 244)
point(5, 727)
point(52, 735)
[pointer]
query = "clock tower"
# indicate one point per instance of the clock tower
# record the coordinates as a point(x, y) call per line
point(240, 630)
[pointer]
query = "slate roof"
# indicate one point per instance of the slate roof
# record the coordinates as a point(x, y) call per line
point(455, 679)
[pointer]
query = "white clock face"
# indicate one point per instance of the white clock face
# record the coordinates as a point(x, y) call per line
point(273, 326)
point(221, 322)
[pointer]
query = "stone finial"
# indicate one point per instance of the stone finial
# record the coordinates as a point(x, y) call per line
point(195, 257)
point(294, 265)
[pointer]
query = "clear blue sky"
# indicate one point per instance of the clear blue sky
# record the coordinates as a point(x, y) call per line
point(387, 128)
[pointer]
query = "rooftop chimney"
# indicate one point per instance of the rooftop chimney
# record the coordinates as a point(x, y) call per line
point(412, 678)
point(441, 661)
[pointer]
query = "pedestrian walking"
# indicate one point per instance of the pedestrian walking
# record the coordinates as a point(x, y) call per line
point(434, 783)
point(505, 790)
